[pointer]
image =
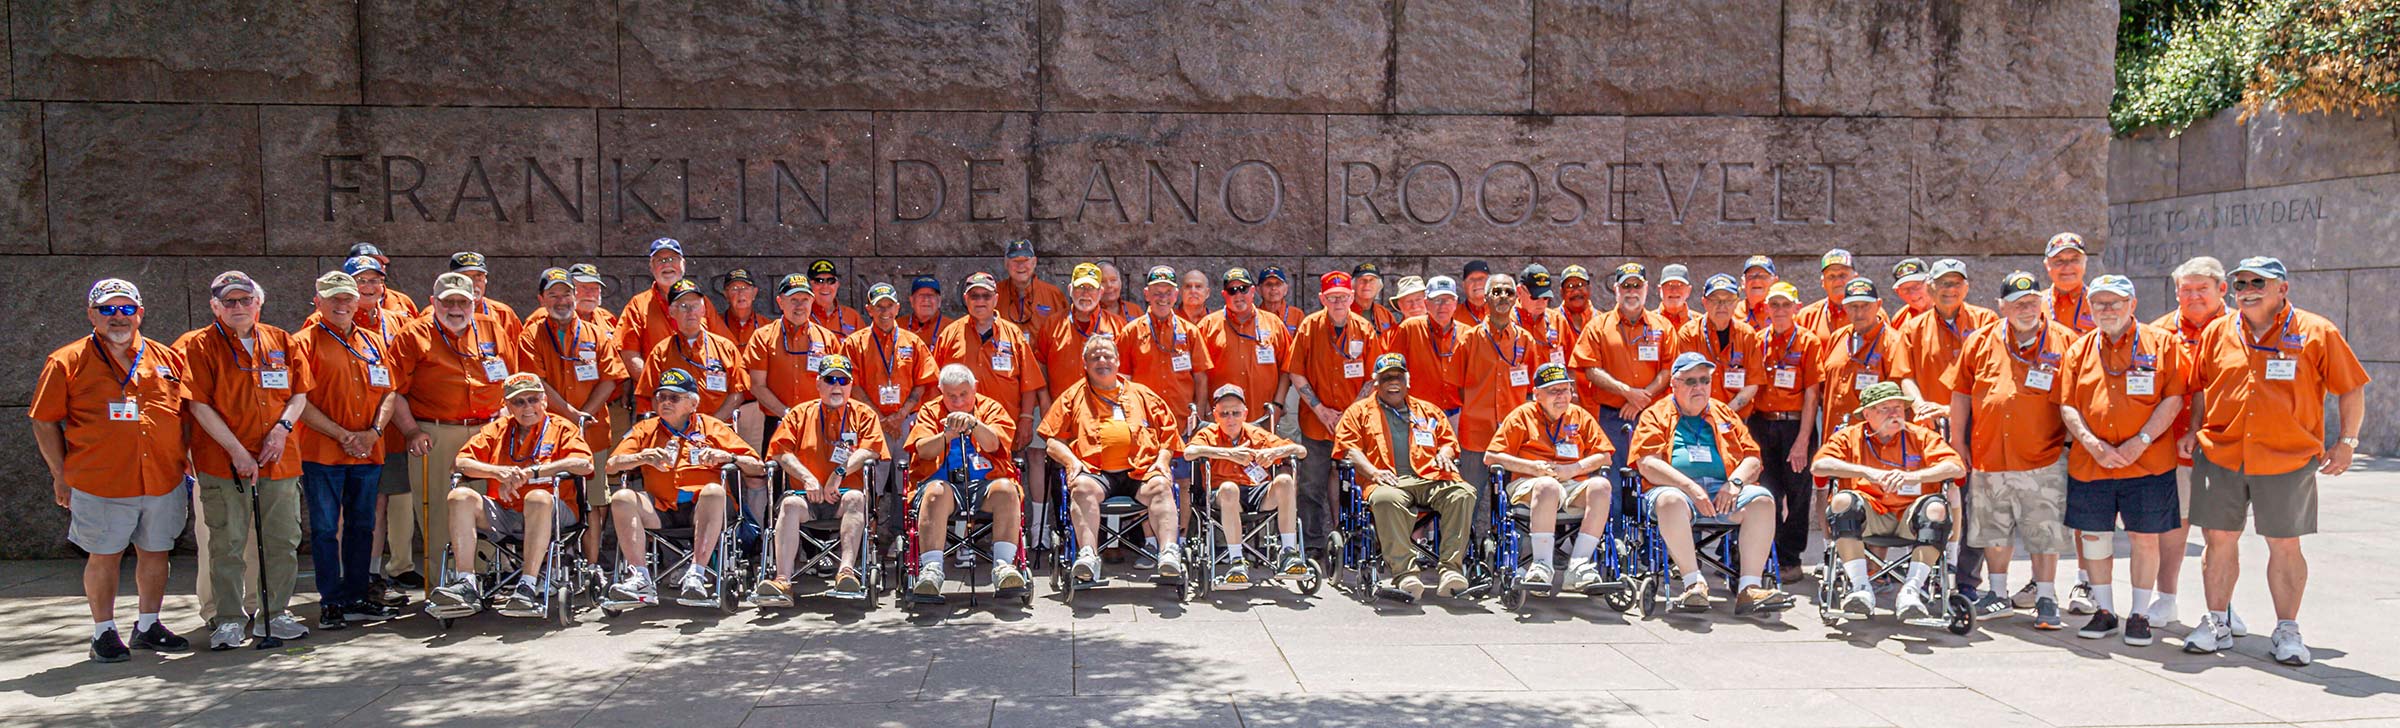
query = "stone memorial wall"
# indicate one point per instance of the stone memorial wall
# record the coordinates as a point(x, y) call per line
point(167, 141)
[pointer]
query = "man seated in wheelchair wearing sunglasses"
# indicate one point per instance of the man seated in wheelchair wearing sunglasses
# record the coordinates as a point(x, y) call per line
point(680, 453)
point(1239, 455)
point(519, 458)
point(1887, 474)
point(824, 447)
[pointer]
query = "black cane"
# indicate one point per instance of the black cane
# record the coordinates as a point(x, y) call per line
point(258, 538)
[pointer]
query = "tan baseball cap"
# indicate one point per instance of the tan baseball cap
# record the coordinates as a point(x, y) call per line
point(453, 285)
point(336, 283)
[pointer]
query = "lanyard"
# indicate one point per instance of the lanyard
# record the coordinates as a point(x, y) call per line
point(2041, 346)
point(238, 349)
point(474, 335)
point(692, 434)
point(1550, 427)
point(1341, 335)
point(784, 339)
point(1098, 323)
point(1789, 337)
point(377, 357)
point(1549, 333)
point(686, 354)
point(1174, 326)
point(540, 436)
point(2131, 356)
point(1722, 356)
point(843, 419)
point(1105, 398)
point(1506, 361)
point(125, 380)
point(1449, 334)
point(1872, 353)
point(882, 352)
point(1647, 330)
point(573, 339)
point(1877, 452)
point(1241, 329)
point(2077, 321)
point(2277, 349)
point(818, 318)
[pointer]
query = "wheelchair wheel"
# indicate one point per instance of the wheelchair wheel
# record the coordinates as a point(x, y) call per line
point(1962, 615)
point(1646, 593)
point(1309, 584)
point(1334, 553)
point(1516, 597)
point(1619, 601)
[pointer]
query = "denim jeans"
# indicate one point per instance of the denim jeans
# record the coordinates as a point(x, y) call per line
point(341, 503)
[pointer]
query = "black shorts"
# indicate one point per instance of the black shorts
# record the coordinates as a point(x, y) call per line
point(675, 518)
point(2148, 504)
point(1119, 483)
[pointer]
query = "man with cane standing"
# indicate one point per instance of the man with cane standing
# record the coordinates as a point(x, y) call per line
point(245, 395)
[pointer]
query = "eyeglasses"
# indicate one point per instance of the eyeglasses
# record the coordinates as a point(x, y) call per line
point(1237, 290)
point(838, 381)
point(1693, 381)
point(1631, 285)
point(243, 302)
point(981, 295)
point(124, 310)
point(1501, 292)
point(528, 401)
point(2244, 284)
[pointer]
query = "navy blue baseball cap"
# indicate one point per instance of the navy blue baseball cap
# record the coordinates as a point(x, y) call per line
point(665, 244)
point(925, 283)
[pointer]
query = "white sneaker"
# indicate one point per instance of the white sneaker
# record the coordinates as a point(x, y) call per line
point(1087, 567)
point(635, 589)
point(2079, 600)
point(695, 591)
point(2024, 597)
point(2288, 648)
point(2162, 612)
point(2233, 621)
point(1910, 607)
point(283, 626)
point(1536, 577)
point(1582, 575)
point(1005, 576)
point(1858, 604)
point(2208, 636)
point(929, 580)
point(1170, 562)
point(226, 636)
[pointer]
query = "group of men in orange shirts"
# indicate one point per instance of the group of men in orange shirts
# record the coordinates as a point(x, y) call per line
point(2066, 414)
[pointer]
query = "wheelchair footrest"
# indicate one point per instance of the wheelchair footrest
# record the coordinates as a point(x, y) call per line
point(1606, 588)
point(1385, 592)
point(915, 598)
point(1008, 593)
point(452, 612)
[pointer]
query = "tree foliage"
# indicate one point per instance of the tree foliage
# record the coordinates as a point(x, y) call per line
point(2181, 61)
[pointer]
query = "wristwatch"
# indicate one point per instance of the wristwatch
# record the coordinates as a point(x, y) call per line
point(840, 470)
point(2146, 438)
point(285, 424)
point(2351, 441)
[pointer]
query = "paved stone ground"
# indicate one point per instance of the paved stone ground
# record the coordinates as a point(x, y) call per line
point(1127, 656)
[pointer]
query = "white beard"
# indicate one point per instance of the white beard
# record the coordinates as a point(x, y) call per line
point(119, 337)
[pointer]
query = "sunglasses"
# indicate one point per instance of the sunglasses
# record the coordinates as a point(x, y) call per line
point(1501, 292)
point(124, 310)
point(825, 279)
point(980, 295)
point(530, 401)
point(2244, 284)
point(838, 381)
point(1631, 285)
point(1237, 290)
point(243, 302)
point(1574, 285)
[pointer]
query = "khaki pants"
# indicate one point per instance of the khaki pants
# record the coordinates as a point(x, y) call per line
point(401, 511)
point(201, 587)
point(230, 569)
point(1395, 517)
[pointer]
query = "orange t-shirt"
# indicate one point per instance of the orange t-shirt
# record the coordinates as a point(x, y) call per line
point(787, 356)
point(2016, 426)
point(1151, 351)
point(1918, 447)
point(573, 359)
point(1093, 427)
point(2070, 309)
point(1932, 345)
point(1435, 370)
point(1824, 317)
point(1740, 353)
point(1654, 435)
point(1849, 360)
point(1363, 427)
point(928, 447)
point(1003, 361)
point(1031, 307)
point(449, 376)
point(340, 385)
point(839, 319)
point(1252, 436)
point(1797, 351)
point(813, 434)
point(1615, 344)
point(2257, 421)
point(1572, 436)
point(1061, 344)
point(142, 455)
point(705, 431)
point(1248, 353)
point(712, 357)
point(897, 358)
point(2098, 378)
point(1498, 370)
point(1333, 361)
point(2187, 335)
point(234, 381)
point(645, 322)
point(505, 443)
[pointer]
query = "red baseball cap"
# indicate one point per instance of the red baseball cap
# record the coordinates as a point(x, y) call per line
point(1333, 281)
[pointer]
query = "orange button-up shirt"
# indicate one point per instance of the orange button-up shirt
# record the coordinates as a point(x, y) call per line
point(2096, 379)
point(1061, 343)
point(812, 432)
point(1150, 350)
point(106, 457)
point(1847, 355)
point(340, 385)
point(1364, 427)
point(1574, 435)
point(1797, 351)
point(1614, 343)
point(841, 319)
point(928, 446)
point(505, 443)
point(232, 379)
point(927, 329)
point(443, 374)
point(1932, 345)
point(1080, 413)
point(645, 322)
point(1916, 448)
point(562, 354)
point(1287, 313)
point(2071, 309)
point(1327, 358)
point(1436, 372)
point(898, 358)
point(2187, 336)
point(1824, 317)
point(1654, 435)
point(2254, 424)
point(1740, 352)
point(1032, 305)
point(788, 354)
point(1247, 353)
point(739, 328)
point(709, 354)
point(2016, 426)
point(704, 431)
point(986, 354)
point(1493, 362)
point(1251, 436)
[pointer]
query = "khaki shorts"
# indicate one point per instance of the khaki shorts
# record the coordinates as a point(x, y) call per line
point(2286, 502)
point(1570, 497)
point(2026, 504)
point(1901, 523)
point(146, 522)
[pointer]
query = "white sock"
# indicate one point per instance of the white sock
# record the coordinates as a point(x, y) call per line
point(1918, 572)
point(101, 628)
point(1857, 571)
point(1290, 541)
point(1232, 552)
point(1585, 544)
point(2105, 595)
point(1087, 552)
point(639, 571)
point(2221, 619)
point(1004, 552)
point(2045, 590)
point(142, 623)
point(929, 558)
point(2163, 603)
point(2083, 577)
point(2292, 624)
point(2141, 601)
point(1996, 582)
point(1151, 544)
point(1693, 578)
point(1544, 544)
point(1751, 581)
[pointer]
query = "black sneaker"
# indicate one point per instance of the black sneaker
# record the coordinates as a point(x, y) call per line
point(329, 618)
point(2103, 624)
point(368, 611)
point(2137, 630)
point(159, 638)
point(107, 648)
point(410, 580)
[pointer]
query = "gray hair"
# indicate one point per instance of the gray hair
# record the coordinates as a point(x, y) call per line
point(1099, 342)
point(957, 374)
point(2202, 267)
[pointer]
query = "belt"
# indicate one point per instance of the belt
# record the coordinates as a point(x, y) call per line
point(470, 422)
point(1792, 416)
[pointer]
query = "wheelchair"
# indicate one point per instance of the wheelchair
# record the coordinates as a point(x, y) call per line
point(1716, 547)
point(1121, 519)
point(1956, 613)
point(970, 541)
point(820, 544)
point(670, 550)
point(1259, 538)
point(1512, 523)
point(564, 576)
point(1354, 550)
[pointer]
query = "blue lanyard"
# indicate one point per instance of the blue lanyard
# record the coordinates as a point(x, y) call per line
point(1506, 361)
point(784, 332)
point(541, 437)
point(1872, 450)
point(2133, 358)
point(345, 342)
point(686, 354)
point(236, 346)
point(881, 352)
point(474, 334)
point(574, 339)
point(1449, 334)
point(2286, 328)
point(2041, 347)
point(126, 380)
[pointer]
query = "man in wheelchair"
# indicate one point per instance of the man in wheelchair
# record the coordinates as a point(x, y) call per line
point(1113, 438)
point(680, 453)
point(1239, 455)
point(1887, 476)
point(959, 463)
point(824, 447)
point(1560, 458)
point(519, 458)
point(1698, 462)
point(1406, 457)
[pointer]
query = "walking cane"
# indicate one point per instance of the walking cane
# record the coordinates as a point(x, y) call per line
point(258, 539)
point(425, 522)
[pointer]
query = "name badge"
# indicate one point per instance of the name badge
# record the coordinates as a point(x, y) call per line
point(1354, 370)
point(1910, 490)
point(979, 462)
point(1266, 354)
point(1355, 348)
point(1558, 357)
point(2282, 370)
point(2038, 378)
point(1736, 379)
point(1116, 412)
point(1567, 451)
point(888, 394)
point(814, 360)
point(715, 382)
point(1787, 379)
point(841, 453)
point(586, 372)
point(1255, 473)
point(378, 376)
point(1181, 362)
point(124, 411)
point(692, 455)
point(1422, 437)
point(1646, 352)
point(2141, 384)
point(1698, 454)
point(494, 371)
point(1518, 378)
point(1003, 363)
point(1867, 380)
point(275, 379)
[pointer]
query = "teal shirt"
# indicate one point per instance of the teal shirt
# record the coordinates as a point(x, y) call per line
point(1693, 434)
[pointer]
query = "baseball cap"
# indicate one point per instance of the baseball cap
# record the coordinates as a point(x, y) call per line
point(2116, 284)
point(1474, 267)
point(1407, 286)
point(1236, 275)
point(1159, 274)
point(980, 279)
point(1834, 257)
point(2263, 265)
point(831, 363)
point(792, 283)
point(1333, 281)
point(1536, 280)
point(2018, 284)
point(880, 291)
point(1675, 273)
point(678, 380)
point(1274, 273)
point(1366, 269)
point(520, 383)
point(358, 263)
point(586, 273)
point(366, 249)
point(1759, 261)
point(336, 283)
point(1018, 248)
point(665, 244)
point(109, 288)
point(554, 277)
point(739, 275)
point(1909, 270)
point(1860, 290)
point(1550, 375)
point(685, 287)
point(1086, 274)
point(468, 260)
point(230, 281)
point(1720, 283)
point(1783, 290)
point(1439, 286)
point(2061, 243)
point(453, 284)
point(1391, 362)
point(922, 283)
point(1574, 271)
point(1688, 361)
point(1879, 393)
point(823, 267)
point(1230, 390)
point(1946, 267)
point(1630, 271)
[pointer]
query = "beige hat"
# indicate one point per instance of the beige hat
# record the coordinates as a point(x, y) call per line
point(336, 283)
point(520, 383)
point(1407, 286)
point(453, 285)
